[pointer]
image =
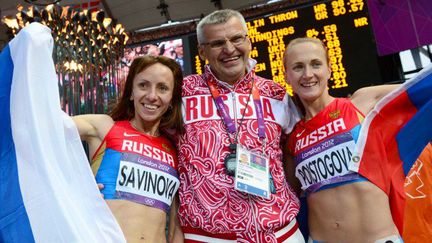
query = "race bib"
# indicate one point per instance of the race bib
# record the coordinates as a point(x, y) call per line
point(146, 181)
point(325, 162)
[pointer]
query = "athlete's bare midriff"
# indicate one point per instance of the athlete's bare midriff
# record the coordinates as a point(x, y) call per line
point(355, 213)
point(139, 223)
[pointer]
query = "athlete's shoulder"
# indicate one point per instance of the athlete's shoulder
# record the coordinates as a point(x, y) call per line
point(194, 84)
point(270, 88)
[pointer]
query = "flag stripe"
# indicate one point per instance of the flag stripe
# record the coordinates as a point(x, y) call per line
point(14, 222)
point(416, 131)
point(393, 135)
point(416, 92)
point(410, 142)
point(43, 164)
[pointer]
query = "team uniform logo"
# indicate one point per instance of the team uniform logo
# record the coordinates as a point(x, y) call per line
point(202, 107)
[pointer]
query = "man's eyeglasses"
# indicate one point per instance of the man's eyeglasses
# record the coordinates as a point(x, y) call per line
point(236, 40)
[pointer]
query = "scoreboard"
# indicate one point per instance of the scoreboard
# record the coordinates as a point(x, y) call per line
point(343, 26)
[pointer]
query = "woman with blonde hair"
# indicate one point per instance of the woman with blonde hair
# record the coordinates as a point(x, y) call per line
point(342, 205)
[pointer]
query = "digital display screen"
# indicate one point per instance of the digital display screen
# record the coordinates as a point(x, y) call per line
point(344, 27)
point(170, 48)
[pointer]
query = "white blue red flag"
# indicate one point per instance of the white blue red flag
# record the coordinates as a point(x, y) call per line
point(392, 137)
point(47, 190)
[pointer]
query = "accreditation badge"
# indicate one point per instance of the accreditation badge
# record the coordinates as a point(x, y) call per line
point(252, 173)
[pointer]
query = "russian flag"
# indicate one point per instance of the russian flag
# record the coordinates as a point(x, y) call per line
point(392, 137)
point(47, 190)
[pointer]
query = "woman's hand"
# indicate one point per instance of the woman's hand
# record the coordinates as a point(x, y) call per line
point(101, 187)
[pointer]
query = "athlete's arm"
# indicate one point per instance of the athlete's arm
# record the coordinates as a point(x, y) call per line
point(88, 125)
point(175, 233)
point(366, 98)
point(289, 167)
point(93, 128)
point(92, 125)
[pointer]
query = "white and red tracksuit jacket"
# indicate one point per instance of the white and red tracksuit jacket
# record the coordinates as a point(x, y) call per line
point(208, 200)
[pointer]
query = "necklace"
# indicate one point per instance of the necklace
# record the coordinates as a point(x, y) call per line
point(155, 134)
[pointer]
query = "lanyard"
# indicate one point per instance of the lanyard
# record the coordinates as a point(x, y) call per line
point(259, 111)
point(229, 123)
